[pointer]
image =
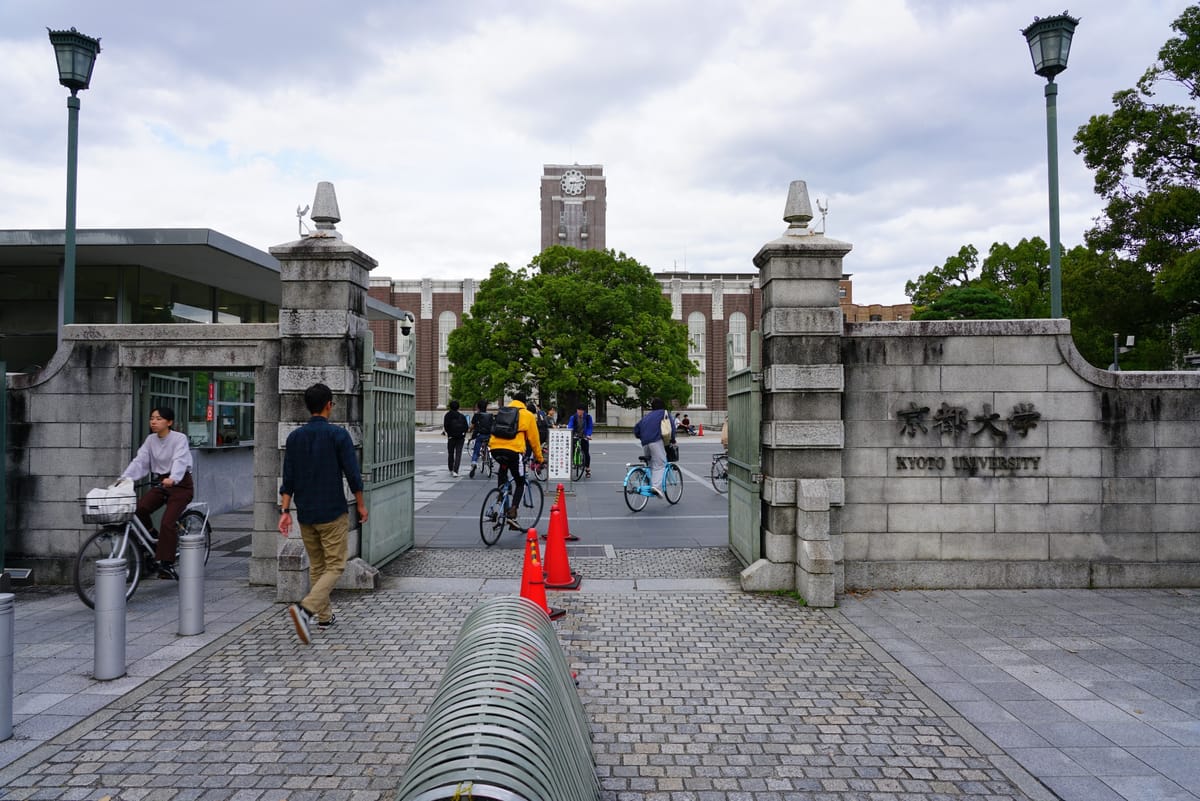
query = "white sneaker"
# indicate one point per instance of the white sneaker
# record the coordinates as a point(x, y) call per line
point(300, 619)
point(657, 492)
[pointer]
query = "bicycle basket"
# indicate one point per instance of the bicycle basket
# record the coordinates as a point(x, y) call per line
point(108, 505)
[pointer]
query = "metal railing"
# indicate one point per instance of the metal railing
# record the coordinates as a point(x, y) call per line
point(506, 723)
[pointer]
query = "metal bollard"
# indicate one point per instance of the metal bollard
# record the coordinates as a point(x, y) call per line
point(6, 665)
point(191, 584)
point(110, 619)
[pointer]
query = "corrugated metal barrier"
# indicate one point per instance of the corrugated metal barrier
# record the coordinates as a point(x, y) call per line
point(506, 723)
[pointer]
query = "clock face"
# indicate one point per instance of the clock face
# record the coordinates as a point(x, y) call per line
point(572, 182)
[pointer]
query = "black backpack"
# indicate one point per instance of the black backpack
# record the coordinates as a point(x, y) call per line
point(456, 426)
point(506, 423)
point(483, 424)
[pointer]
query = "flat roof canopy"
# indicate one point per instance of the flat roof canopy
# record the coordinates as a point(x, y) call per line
point(197, 254)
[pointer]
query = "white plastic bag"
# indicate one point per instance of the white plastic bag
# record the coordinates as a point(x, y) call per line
point(112, 504)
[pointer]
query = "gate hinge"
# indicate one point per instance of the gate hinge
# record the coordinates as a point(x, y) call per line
point(756, 478)
point(756, 377)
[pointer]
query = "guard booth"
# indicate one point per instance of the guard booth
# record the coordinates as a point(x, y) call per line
point(745, 465)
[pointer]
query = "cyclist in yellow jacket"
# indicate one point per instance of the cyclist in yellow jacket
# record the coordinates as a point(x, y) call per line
point(508, 452)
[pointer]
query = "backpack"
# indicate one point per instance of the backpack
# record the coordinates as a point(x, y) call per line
point(506, 423)
point(456, 426)
point(483, 424)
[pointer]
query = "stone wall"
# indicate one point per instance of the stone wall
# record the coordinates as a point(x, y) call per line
point(990, 454)
point(71, 423)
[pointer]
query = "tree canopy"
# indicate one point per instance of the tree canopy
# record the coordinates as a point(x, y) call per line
point(572, 324)
point(1146, 157)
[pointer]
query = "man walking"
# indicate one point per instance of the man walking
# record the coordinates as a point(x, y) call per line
point(454, 427)
point(318, 455)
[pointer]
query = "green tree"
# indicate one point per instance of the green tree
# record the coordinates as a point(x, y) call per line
point(956, 271)
point(1147, 162)
point(972, 302)
point(582, 323)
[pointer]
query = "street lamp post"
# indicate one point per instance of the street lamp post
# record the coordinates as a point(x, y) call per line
point(76, 55)
point(1049, 41)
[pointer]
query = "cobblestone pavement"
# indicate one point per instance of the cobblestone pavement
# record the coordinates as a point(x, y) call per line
point(705, 695)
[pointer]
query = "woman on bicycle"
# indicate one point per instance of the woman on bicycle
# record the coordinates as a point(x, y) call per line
point(508, 444)
point(653, 435)
point(167, 459)
point(580, 426)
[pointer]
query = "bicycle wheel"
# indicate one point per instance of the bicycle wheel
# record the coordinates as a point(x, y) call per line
point(576, 462)
point(532, 500)
point(635, 480)
point(541, 472)
point(720, 474)
point(491, 517)
point(193, 522)
point(673, 483)
point(105, 544)
point(487, 465)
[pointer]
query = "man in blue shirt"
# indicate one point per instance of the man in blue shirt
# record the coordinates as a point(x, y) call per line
point(580, 426)
point(317, 457)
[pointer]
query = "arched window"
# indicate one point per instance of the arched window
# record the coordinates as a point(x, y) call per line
point(447, 322)
point(696, 352)
point(737, 342)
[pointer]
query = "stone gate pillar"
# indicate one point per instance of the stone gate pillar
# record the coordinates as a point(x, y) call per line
point(322, 320)
point(802, 432)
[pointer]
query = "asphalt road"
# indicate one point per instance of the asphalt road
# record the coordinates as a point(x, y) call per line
point(596, 510)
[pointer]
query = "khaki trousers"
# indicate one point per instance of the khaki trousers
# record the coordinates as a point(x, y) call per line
point(326, 547)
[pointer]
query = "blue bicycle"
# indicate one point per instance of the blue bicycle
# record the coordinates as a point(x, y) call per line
point(494, 515)
point(639, 487)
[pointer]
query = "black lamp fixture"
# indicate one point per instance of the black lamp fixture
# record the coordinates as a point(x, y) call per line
point(76, 55)
point(1049, 41)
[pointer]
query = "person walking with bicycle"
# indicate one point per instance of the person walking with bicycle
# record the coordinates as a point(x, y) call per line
point(654, 430)
point(317, 456)
point(514, 430)
point(167, 458)
point(481, 430)
point(580, 426)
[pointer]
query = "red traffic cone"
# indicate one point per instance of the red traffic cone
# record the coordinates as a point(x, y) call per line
point(533, 580)
point(566, 524)
point(558, 566)
point(701, 432)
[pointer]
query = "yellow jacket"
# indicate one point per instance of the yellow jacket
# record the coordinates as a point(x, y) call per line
point(527, 434)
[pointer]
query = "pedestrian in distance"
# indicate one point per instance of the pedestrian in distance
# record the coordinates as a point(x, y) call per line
point(166, 458)
point(454, 427)
point(481, 429)
point(580, 425)
point(317, 457)
point(514, 431)
point(654, 430)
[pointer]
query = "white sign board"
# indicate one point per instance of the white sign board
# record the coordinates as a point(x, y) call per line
point(560, 455)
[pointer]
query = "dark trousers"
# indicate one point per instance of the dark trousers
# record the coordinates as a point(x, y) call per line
point(510, 461)
point(176, 499)
point(454, 448)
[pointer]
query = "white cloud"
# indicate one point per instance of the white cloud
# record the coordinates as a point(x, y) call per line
point(921, 123)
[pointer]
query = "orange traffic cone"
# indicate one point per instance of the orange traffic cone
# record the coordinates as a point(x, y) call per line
point(558, 566)
point(533, 580)
point(701, 434)
point(566, 524)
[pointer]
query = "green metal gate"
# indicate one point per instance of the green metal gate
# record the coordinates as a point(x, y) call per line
point(3, 463)
point(745, 459)
point(389, 450)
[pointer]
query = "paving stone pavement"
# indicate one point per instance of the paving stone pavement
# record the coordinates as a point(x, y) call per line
point(705, 695)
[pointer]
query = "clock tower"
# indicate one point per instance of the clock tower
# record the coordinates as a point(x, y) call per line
point(574, 197)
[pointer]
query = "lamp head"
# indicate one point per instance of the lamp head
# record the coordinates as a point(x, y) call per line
point(1049, 41)
point(76, 54)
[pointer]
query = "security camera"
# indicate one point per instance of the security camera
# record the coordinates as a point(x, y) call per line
point(406, 324)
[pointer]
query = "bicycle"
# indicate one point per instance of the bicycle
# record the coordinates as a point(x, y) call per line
point(720, 472)
point(124, 536)
point(493, 515)
point(638, 484)
point(577, 468)
point(485, 465)
point(539, 471)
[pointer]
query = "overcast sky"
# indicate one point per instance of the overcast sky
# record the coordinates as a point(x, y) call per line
point(920, 123)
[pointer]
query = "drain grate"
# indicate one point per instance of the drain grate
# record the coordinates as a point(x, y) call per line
point(591, 552)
